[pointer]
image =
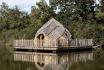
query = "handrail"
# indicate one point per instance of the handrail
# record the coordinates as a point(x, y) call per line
point(53, 43)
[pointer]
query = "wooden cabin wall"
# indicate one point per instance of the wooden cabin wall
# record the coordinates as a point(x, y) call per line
point(63, 42)
point(49, 42)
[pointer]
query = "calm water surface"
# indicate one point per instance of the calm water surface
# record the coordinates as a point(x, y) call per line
point(53, 61)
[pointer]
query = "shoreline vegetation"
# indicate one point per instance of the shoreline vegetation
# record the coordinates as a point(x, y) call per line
point(83, 23)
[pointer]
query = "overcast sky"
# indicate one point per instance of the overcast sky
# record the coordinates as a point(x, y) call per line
point(24, 5)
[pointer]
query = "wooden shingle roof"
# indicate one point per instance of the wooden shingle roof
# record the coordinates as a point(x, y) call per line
point(52, 29)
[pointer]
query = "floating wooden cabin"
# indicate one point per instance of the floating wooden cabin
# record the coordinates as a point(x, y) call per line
point(53, 36)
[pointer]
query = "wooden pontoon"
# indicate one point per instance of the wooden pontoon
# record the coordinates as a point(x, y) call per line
point(53, 36)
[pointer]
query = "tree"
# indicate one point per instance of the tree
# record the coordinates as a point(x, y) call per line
point(4, 9)
point(80, 8)
point(35, 13)
point(46, 11)
point(102, 5)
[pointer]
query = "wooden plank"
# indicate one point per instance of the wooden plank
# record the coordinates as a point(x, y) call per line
point(52, 43)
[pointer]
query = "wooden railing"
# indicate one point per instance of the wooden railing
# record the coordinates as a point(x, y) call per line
point(46, 43)
point(53, 43)
point(24, 43)
point(81, 42)
point(29, 44)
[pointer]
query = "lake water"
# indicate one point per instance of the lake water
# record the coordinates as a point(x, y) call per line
point(53, 61)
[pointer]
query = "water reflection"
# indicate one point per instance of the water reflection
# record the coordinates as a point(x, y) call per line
point(53, 61)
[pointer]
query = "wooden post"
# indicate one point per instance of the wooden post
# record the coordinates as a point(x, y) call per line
point(67, 43)
point(76, 42)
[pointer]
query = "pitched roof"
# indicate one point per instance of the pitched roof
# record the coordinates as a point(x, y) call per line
point(52, 29)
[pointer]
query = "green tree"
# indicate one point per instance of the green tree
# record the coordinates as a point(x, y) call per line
point(102, 5)
point(76, 8)
point(46, 11)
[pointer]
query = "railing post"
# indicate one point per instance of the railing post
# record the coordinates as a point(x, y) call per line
point(55, 43)
point(76, 42)
point(67, 42)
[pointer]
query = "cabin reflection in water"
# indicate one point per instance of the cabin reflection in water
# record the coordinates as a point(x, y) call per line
point(53, 37)
point(53, 60)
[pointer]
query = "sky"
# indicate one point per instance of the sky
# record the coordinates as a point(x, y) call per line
point(24, 5)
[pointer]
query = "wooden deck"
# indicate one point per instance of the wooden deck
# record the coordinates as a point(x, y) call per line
point(54, 49)
point(77, 44)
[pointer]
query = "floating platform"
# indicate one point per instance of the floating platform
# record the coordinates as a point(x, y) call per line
point(54, 49)
point(75, 45)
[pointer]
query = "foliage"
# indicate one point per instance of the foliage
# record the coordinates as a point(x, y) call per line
point(75, 15)
point(102, 5)
point(76, 8)
point(78, 16)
